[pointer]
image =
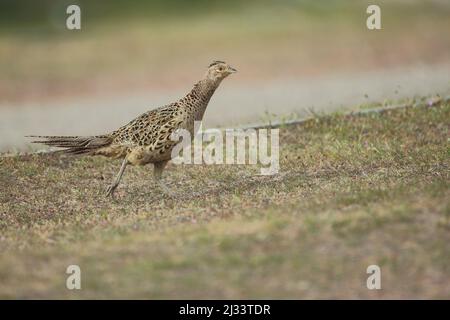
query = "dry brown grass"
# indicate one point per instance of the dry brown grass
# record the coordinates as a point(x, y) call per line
point(352, 191)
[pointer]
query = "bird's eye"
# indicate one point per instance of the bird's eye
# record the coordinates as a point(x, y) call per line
point(220, 69)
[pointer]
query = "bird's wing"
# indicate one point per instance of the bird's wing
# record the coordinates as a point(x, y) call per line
point(152, 128)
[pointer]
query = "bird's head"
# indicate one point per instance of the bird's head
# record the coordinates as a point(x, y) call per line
point(219, 70)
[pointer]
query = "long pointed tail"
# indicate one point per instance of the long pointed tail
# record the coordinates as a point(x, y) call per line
point(75, 144)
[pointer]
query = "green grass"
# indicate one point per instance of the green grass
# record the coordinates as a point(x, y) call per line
point(352, 191)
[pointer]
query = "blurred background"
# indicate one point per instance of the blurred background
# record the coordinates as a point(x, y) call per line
point(293, 57)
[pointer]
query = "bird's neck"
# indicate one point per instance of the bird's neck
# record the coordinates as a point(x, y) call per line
point(198, 98)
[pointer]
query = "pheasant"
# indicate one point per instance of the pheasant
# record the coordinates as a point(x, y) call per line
point(146, 139)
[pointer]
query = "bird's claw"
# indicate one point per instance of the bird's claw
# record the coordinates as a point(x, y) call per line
point(110, 191)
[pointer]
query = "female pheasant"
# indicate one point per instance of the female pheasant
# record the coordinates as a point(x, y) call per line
point(146, 139)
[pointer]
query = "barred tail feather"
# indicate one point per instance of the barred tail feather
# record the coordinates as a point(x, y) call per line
point(75, 144)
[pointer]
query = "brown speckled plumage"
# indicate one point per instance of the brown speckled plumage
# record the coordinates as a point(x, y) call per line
point(146, 139)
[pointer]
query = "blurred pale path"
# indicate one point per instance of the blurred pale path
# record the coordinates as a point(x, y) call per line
point(230, 106)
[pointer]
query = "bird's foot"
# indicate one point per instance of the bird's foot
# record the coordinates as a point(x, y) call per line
point(110, 191)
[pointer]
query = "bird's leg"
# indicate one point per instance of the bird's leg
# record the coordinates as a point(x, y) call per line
point(157, 173)
point(110, 190)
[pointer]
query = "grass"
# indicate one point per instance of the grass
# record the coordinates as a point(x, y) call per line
point(352, 191)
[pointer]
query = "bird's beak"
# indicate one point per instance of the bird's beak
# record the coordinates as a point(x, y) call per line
point(232, 70)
